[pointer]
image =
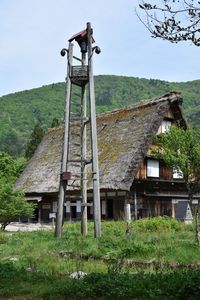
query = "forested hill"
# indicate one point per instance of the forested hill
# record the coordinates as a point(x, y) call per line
point(20, 111)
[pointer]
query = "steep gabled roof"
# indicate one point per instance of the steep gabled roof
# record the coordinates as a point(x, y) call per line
point(124, 137)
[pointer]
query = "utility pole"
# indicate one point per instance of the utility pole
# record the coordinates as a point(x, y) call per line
point(81, 75)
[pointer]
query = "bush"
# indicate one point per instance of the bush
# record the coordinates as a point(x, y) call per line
point(12, 204)
point(136, 249)
point(158, 224)
point(174, 285)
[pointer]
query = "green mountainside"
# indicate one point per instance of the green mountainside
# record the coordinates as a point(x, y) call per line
point(20, 111)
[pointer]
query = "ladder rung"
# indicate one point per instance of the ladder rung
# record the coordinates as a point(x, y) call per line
point(79, 178)
point(73, 144)
point(75, 177)
point(76, 94)
point(74, 161)
point(73, 196)
point(75, 155)
point(79, 119)
point(75, 165)
point(79, 82)
point(76, 134)
point(75, 158)
point(75, 123)
point(73, 185)
point(79, 161)
point(75, 114)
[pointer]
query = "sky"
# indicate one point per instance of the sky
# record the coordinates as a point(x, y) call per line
point(32, 33)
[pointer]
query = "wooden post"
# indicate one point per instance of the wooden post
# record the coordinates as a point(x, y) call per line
point(62, 187)
point(39, 212)
point(173, 210)
point(135, 202)
point(84, 228)
point(127, 210)
point(95, 163)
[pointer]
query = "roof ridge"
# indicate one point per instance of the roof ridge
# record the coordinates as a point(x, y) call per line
point(171, 96)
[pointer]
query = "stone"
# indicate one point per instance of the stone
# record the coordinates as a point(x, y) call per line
point(78, 275)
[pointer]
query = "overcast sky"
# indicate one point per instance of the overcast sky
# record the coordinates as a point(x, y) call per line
point(32, 33)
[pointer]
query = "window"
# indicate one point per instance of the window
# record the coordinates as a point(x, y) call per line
point(103, 207)
point(177, 174)
point(152, 168)
point(78, 206)
point(164, 127)
point(55, 206)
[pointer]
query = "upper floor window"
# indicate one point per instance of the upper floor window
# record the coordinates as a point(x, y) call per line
point(164, 127)
point(152, 168)
point(177, 174)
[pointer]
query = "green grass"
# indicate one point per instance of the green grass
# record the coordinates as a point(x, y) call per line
point(18, 284)
point(31, 265)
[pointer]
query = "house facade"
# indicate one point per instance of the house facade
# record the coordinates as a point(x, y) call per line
point(131, 180)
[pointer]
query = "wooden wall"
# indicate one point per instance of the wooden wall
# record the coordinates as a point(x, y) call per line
point(164, 171)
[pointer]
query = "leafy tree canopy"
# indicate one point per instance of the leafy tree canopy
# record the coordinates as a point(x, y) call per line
point(10, 167)
point(55, 123)
point(172, 20)
point(12, 143)
point(12, 202)
point(180, 149)
point(35, 139)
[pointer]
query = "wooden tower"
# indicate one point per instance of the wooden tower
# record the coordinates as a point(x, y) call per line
point(82, 76)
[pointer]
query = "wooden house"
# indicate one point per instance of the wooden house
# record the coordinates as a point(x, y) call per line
point(128, 173)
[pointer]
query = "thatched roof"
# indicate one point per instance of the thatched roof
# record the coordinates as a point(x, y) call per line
point(124, 137)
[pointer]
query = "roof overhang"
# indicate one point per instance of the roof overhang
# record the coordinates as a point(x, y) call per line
point(34, 198)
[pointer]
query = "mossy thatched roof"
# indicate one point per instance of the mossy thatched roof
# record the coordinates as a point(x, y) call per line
point(124, 137)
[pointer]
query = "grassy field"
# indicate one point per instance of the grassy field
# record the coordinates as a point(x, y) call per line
point(155, 259)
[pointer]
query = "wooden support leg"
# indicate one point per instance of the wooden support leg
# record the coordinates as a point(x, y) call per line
point(127, 210)
point(39, 213)
point(173, 211)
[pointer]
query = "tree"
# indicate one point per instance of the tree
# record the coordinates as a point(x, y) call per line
point(172, 20)
point(11, 143)
point(35, 139)
point(180, 149)
point(12, 202)
point(55, 123)
point(10, 167)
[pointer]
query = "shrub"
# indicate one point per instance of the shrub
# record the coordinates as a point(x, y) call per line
point(158, 224)
point(136, 249)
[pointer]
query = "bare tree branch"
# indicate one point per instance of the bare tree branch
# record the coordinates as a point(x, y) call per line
point(172, 20)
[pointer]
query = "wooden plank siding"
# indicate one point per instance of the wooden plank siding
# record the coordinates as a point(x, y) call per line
point(165, 172)
point(142, 171)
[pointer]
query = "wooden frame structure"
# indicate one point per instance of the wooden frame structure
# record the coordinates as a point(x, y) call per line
point(80, 75)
